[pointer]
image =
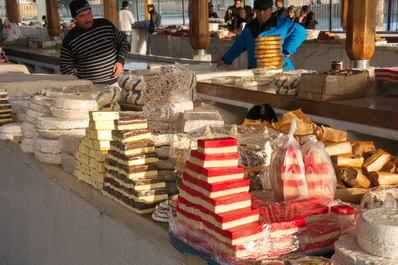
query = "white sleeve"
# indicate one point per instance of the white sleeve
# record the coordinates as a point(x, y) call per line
point(131, 18)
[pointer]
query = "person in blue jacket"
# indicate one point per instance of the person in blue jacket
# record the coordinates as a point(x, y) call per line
point(266, 24)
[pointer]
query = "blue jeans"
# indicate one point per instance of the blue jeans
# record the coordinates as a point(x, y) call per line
point(129, 38)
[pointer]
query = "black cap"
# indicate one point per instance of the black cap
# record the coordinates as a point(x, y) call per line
point(77, 6)
point(263, 4)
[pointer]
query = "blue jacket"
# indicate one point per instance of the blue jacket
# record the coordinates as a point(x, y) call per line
point(292, 35)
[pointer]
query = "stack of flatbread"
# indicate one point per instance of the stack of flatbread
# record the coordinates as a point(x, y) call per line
point(268, 52)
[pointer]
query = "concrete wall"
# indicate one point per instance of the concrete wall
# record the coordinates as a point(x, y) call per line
point(50, 217)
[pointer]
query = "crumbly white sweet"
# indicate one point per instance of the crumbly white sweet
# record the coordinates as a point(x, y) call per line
point(70, 114)
point(376, 232)
point(69, 143)
point(47, 145)
point(48, 157)
point(73, 102)
point(11, 128)
point(165, 111)
point(28, 130)
point(348, 252)
point(39, 108)
point(52, 123)
point(55, 134)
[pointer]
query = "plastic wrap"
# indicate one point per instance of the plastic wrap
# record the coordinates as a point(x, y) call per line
point(297, 260)
point(287, 169)
point(131, 97)
point(164, 127)
point(387, 81)
point(319, 171)
point(293, 227)
point(131, 82)
point(174, 84)
point(103, 94)
point(383, 196)
point(165, 111)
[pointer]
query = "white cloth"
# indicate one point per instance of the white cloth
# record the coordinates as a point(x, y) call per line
point(126, 19)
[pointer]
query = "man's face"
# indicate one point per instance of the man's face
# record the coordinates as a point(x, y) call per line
point(238, 3)
point(263, 15)
point(84, 19)
point(211, 9)
point(278, 4)
point(150, 8)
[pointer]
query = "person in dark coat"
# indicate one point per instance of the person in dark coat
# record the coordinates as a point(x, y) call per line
point(306, 18)
point(155, 20)
point(249, 12)
point(231, 13)
point(280, 10)
point(239, 19)
point(212, 14)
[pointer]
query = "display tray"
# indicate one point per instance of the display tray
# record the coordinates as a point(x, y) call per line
point(188, 250)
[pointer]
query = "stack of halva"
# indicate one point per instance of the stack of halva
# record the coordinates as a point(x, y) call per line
point(165, 163)
point(69, 117)
point(89, 166)
point(374, 242)
point(214, 199)
point(131, 171)
point(5, 108)
point(166, 96)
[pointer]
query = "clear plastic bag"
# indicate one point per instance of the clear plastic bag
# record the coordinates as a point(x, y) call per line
point(287, 169)
point(319, 171)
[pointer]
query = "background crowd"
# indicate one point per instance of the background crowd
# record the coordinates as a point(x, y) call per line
point(238, 15)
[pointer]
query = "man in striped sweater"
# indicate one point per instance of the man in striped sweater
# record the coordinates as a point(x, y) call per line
point(94, 49)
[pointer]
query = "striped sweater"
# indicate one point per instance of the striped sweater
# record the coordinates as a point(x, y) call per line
point(92, 53)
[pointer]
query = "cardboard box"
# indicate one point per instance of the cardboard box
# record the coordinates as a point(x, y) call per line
point(323, 87)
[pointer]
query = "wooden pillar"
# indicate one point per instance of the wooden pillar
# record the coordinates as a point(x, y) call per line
point(146, 3)
point(110, 11)
point(361, 19)
point(53, 27)
point(14, 11)
point(344, 12)
point(199, 36)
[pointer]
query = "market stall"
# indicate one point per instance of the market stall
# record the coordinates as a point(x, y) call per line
point(130, 165)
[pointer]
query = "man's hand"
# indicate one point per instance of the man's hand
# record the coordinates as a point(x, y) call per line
point(219, 62)
point(117, 69)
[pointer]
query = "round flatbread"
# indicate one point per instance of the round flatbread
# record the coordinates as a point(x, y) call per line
point(270, 38)
point(270, 63)
point(270, 66)
point(264, 43)
point(267, 55)
point(265, 51)
point(271, 59)
point(267, 47)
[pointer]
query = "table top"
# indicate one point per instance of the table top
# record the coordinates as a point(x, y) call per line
point(379, 111)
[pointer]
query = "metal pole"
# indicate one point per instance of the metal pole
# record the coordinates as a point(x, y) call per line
point(331, 15)
point(136, 8)
point(183, 12)
point(159, 6)
point(389, 16)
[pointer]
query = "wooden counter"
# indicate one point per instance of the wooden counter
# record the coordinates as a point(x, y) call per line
point(373, 111)
point(50, 217)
